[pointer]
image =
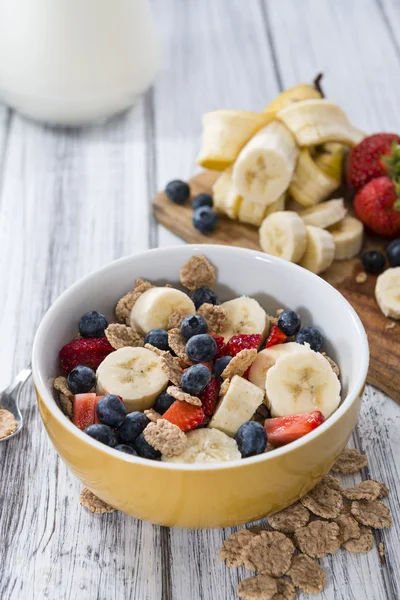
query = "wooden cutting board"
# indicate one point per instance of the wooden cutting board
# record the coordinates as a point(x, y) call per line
point(383, 333)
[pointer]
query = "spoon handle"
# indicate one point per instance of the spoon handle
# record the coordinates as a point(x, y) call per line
point(19, 380)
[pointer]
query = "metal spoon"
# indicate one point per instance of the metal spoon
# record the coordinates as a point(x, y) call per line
point(10, 396)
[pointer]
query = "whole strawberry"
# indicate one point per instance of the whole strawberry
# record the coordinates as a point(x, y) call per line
point(371, 158)
point(377, 205)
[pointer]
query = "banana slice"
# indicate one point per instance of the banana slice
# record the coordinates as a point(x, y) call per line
point(268, 357)
point(348, 237)
point(329, 158)
point(310, 184)
point(153, 308)
point(387, 292)
point(301, 382)
point(265, 166)
point(302, 91)
point(317, 121)
point(226, 199)
point(252, 212)
point(135, 374)
point(244, 315)
point(283, 234)
point(320, 251)
point(206, 446)
point(237, 406)
point(225, 132)
point(325, 214)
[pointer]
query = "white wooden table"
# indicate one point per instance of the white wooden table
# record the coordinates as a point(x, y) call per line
point(73, 200)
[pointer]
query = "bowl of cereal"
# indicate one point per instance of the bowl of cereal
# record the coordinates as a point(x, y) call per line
point(216, 389)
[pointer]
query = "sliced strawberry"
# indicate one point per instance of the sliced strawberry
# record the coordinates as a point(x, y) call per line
point(185, 416)
point(243, 341)
point(84, 351)
point(84, 410)
point(221, 346)
point(276, 336)
point(283, 430)
point(209, 396)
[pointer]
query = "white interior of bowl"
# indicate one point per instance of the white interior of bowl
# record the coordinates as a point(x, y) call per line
point(275, 283)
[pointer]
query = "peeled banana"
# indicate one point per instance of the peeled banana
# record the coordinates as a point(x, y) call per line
point(226, 199)
point(297, 93)
point(325, 214)
point(310, 184)
point(329, 158)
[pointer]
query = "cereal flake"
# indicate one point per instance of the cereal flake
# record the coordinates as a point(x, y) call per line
point(232, 551)
point(318, 539)
point(350, 461)
point(60, 384)
point(120, 335)
point(177, 342)
point(361, 277)
point(125, 305)
point(332, 482)
point(66, 405)
point(269, 552)
point(285, 591)
point(372, 513)
point(239, 363)
point(334, 366)
point(8, 424)
point(349, 528)
point(197, 272)
point(366, 490)
point(224, 387)
point(182, 396)
point(93, 503)
point(259, 587)
point(157, 350)
point(307, 574)
point(165, 437)
point(323, 501)
point(381, 552)
point(152, 415)
point(289, 519)
point(175, 319)
point(142, 285)
point(214, 315)
point(171, 368)
point(364, 543)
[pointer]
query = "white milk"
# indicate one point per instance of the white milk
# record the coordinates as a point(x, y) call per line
point(72, 61)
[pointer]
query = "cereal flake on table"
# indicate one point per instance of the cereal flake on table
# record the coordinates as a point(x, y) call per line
point(289, 519)
point(350, 461)
point(349, 528)
point(366, 490)
point(372, 513)
point(197, 273)
point(215, 316)
point(364, 543)
point(182, 396)
point(232, 551)
point(307, 574)
point(8, 424)
point(332, 482)
point(120, 335)
point(323, 501)
point(165, 437)
point(239, 363)
point(318, 539)
point(93, 503)
point(269, 552)
point(259, 587)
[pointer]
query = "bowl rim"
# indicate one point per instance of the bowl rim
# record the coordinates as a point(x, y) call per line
point(355, 388)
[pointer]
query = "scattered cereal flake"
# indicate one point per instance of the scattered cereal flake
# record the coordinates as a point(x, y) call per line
point(232, 551)
point(307, 574)
point(285, 591)
point(197, 272)
point(171, 368)
point(366, 490)
point(120, 335)
point(372, 513)
point(384, 489)
point(60, 384)
point(8, 424)
point(269, 552)
point(332, 482)
point(224, 387)
point(66, 405)
point(346, 508)
point(361, 277)
point(215, 317)
point(93, 503)
point(349, 528)
point(350, 461)
point(179, 394)
point(391, 325)
point(318, 539)
point(289, 519)
point(175, 319)
point(259, 587)
point(177, 342)
point(125, 305)
point(381, 552)
point(364, 543)
point(257, 529)
point(323, 501)
point(334, 366)
point(165, 437)
point(239, 363)
point(152, 415)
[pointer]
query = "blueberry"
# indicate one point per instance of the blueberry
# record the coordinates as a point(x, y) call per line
point(251, 439)
point(157, 338)
point(393, 253)
point(127, 449)
point(111, 410)
point(373, 261)
point(220, 365)
point(202, 200)
point(205, 219)
point(201, 348)
point(195, 379)
point(289, 322)
point(193, 325)
point(103, 434)
point(92, 324)
point(178, 191)
point(132, 426)
point(144, 449)
point(81, 380)
point(204, 296)
point(163, 402)
point(310, 335)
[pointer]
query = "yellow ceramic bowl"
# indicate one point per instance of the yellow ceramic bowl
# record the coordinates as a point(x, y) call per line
point(211, 495)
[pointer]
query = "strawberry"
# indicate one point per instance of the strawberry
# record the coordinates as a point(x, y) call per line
point(377, 205)
point(209, 396)
point(375, 156)
point(276, 336)
point(84, 351)
point(242, 341)
point(185, 416)
point(221, 346)
point(84, 410)
point(283, 430)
